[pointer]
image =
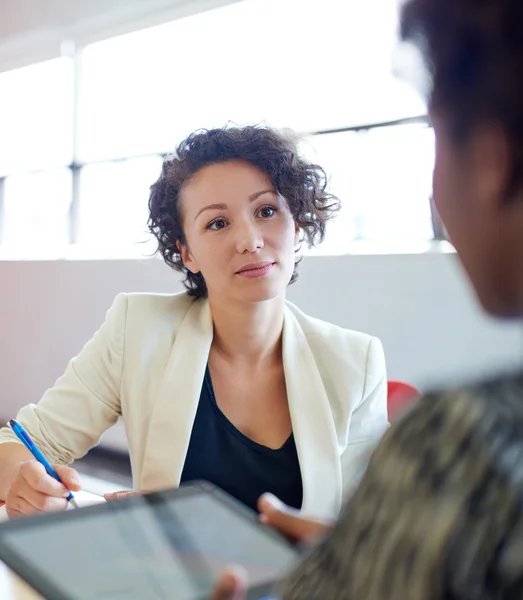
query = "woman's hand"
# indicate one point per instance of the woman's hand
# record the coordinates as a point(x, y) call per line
point(122, 494)
point(34, 491)
point(288, 521)
point(232, 585)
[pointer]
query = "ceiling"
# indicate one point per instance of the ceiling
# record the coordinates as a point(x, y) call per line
point(32, 30)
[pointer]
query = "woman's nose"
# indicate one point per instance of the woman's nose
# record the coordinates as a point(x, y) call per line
point(249, 238)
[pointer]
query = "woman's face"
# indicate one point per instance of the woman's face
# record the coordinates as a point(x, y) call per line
point(240, 234)
point(469, 182)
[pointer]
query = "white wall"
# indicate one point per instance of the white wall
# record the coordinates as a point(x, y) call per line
point(419, 305)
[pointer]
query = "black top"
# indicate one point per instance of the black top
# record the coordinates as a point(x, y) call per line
point(221, 454)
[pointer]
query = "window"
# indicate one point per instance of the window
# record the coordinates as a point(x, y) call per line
point(113, 205)
point(36, 213)
point(332, 152)
point(383, 178)
point(81, 138)
point(393, 183)
point(306, 65)
point(36, 117)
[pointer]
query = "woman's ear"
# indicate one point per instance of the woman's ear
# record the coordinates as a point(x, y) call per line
point(297, 232)
point(187, 259)
point(491, 155)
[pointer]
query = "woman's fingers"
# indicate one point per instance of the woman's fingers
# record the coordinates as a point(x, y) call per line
point(232, 585)
point(69, 477)
point(288, 521)
point(122, 494)
point(18, 507)
point(32, 475)
point(33, 490)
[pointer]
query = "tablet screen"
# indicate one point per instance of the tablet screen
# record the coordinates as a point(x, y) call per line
point(172, 547)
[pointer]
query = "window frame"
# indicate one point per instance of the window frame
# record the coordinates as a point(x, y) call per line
point(76, 166)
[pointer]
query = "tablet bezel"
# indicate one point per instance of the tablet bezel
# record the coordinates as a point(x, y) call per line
point(44, 586)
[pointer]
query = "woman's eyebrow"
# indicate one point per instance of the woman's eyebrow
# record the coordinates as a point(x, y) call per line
point(222, 206)
point(256, 195)
point(211, 207)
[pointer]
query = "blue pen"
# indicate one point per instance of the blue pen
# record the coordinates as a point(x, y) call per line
point(23, 436)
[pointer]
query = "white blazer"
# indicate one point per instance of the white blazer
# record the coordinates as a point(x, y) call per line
point(147, 363)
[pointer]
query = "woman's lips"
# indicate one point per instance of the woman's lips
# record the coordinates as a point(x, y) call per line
point(255, 270)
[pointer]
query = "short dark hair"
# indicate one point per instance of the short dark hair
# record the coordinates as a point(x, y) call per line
point(474, 54)
point(301, 183)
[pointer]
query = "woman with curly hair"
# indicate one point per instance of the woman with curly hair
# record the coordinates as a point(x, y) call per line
point(227, 382)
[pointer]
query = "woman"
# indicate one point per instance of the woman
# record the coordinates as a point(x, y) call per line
point(439, 513)
point(227, 382)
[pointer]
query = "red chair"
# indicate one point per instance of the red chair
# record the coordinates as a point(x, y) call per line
point(400, 395)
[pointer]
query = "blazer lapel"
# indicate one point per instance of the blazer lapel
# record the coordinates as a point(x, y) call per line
point(313, 424)
point(171, 424)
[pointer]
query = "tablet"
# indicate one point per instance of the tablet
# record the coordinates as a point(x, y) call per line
point(169, 545)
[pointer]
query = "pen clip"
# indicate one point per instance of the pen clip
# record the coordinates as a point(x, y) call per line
point(26, 437)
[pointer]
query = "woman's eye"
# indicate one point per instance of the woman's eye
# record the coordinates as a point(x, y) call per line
point(267, 212)
point(218, 224)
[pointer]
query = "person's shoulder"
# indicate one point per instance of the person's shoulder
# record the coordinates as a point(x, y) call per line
point(159, 302)
point(146, 308)
point(502, 394)
point(484, 413)
point(328, 334)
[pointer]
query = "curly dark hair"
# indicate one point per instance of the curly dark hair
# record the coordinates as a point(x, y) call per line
point(473, 50)
point(301, 183)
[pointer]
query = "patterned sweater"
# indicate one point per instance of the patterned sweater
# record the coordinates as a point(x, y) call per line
point(439, 513)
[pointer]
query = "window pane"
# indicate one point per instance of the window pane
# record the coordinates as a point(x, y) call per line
point(393, 183)
point(305, 65)
point(36, 116)
point(332, 152)
point(114, 206)
point(384, 180)
point(35, 220)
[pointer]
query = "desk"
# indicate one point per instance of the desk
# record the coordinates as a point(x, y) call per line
point(13, 588)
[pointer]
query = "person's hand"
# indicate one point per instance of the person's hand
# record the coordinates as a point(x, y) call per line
point(122, 494)
point(288, 521)
point(232, 585)
point(34, 491)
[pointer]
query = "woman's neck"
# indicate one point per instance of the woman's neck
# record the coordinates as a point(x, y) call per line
point(248, 332)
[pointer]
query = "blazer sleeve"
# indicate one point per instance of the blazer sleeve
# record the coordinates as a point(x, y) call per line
point(368, 420)
point(72, 415)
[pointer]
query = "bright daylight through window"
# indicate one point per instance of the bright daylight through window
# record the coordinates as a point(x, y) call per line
point(82, 137)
